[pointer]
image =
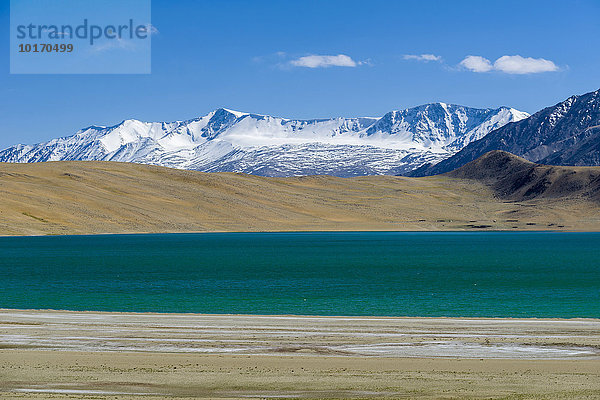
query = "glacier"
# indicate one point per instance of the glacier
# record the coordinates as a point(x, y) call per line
point(233, 141)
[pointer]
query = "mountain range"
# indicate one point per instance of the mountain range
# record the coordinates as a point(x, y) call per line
point(567, 133)
point(425, 140)
point(226, 140)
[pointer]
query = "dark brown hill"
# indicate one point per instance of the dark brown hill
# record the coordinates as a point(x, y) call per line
point(515, 178)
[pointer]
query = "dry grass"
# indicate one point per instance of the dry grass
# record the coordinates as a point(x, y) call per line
point(106, 197)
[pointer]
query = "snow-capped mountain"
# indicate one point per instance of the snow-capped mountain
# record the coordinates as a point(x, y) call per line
point(226, 140)
point(567, 133)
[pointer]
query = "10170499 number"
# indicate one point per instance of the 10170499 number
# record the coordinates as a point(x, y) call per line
point(45, 48)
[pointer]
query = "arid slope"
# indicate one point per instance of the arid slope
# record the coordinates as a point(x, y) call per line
point(515, 178)
point(105, 197)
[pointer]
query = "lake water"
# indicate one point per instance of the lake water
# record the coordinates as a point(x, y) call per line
point(480, 274)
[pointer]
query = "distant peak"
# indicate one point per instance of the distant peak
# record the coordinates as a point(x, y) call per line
point(444, 106)
point(87, 128)
point(437, 105)
point(222, 110)
point(517, 113)
point(126, 122)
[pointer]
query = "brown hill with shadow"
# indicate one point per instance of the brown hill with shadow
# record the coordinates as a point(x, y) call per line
point(515, 178)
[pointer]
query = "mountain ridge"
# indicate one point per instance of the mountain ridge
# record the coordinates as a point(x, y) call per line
point(227, 140)
point(567, 133)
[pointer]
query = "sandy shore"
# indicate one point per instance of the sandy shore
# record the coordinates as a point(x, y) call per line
point(60, 355)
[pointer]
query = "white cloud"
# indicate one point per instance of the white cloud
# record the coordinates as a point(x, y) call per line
point(524, 65)
point(509, 65)
point(316, 61)
point(477, 64)
point(422, 57)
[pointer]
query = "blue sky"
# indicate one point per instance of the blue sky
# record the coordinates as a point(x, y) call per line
point(309, 59)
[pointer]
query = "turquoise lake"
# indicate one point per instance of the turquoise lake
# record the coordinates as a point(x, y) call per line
point(480, 274)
